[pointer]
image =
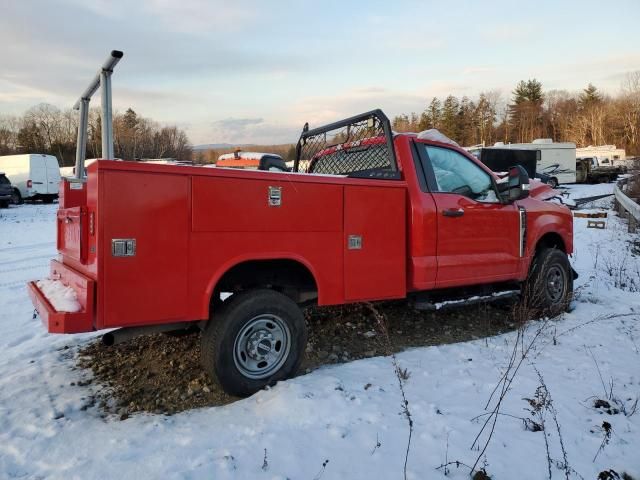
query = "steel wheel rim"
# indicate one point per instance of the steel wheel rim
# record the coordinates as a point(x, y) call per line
point(262, 346)
point(556, 281)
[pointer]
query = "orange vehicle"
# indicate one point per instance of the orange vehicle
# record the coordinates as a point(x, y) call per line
point(252, 161)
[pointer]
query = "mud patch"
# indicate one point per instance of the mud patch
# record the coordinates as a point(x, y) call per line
point(162, 373)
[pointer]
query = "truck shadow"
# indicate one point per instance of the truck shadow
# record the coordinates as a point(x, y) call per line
point(162, 373)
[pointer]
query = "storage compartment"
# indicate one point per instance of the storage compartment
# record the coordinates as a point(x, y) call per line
point(66, 322)
point(374, 242)
point(73, 193)
point(72, 232)
point(144, 226)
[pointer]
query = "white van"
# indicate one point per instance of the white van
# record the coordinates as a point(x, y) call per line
point(558, 160)
point(34, 176)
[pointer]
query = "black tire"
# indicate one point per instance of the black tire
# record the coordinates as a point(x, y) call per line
point(16, 197)
point(4, 203)
point(549, 286)
point(237, 330)
point(553, 182)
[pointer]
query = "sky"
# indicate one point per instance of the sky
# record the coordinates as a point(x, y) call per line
point(256, 71)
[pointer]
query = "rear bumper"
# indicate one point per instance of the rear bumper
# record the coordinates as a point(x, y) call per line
point(66, 322)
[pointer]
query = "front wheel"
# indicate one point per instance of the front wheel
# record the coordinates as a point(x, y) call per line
point(549, 287)
point(255, 339)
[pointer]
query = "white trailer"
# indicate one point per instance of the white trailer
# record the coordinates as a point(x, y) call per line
point(33, 176)
point(608, 155)
point(558, 160)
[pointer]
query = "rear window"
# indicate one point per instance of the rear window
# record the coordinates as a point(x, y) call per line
point(355, 159)
point(4, 180)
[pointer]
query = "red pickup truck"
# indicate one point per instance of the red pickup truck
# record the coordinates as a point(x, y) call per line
point(373, 215)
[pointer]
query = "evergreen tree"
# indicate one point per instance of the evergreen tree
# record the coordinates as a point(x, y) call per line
point(465, 124)
point(130, 119)
point(525, 113)
point(449, 117)
point(589, 96)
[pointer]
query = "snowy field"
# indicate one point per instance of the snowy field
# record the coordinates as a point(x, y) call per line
point(344, 421)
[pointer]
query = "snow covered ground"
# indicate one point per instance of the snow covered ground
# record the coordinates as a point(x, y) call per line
point(341, 421)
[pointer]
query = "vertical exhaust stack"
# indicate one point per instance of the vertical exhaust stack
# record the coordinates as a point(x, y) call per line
point(103, 81)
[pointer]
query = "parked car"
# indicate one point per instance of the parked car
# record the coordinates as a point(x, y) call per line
point(33, 176)
point(6, 191)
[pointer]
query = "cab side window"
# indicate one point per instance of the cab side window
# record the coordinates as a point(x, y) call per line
point(454, 173)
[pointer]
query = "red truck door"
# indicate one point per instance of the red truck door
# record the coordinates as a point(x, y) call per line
point(478, 237)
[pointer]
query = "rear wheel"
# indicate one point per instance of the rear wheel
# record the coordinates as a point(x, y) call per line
point(257, 338)
point(549, 287)
point(4, 203)
point(16, 197)
point(553, 182)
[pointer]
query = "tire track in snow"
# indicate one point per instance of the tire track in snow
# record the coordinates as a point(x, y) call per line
point(15, 284)
point(25, 267)
point(25, 259)
point(31, 246)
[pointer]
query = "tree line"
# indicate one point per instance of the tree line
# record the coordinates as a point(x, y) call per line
point(589, 117)
point(47, 129)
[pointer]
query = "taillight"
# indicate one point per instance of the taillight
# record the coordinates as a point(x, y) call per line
point(29, 184)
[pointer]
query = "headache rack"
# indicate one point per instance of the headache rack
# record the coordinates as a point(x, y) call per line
point(359, 146)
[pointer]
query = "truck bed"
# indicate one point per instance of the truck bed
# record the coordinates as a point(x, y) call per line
point(217, 219)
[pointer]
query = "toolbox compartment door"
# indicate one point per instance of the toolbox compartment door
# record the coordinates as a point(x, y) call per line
point(144, 223)
point(72, 232)
point(374, 243)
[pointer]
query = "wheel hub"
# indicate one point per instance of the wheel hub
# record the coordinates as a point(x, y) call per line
point(555, 283)
point(259, 345)
point(262, 346)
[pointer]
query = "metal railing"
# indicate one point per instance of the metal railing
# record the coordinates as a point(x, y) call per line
point(627, 207)
point(361, 145)
point(102, 80)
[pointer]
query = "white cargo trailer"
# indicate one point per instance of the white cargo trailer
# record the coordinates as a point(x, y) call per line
point(558, 160)
point(34, 176)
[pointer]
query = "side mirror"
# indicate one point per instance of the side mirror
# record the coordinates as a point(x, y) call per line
point(518, 183)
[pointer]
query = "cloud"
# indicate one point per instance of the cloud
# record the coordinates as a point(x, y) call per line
point(236, 123)
point(324, 109)
point(162, 41)
point(244, 131)
point(195, 16)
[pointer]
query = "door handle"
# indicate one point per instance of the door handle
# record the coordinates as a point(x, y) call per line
point(453, 212)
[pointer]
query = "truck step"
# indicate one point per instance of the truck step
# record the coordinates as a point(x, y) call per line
point(431, 305)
